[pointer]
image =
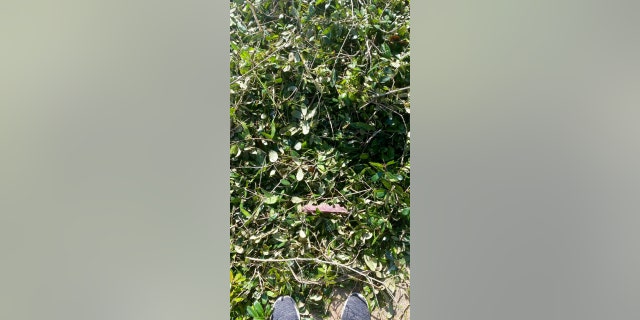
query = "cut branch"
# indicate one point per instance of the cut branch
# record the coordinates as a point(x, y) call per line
point(340, 265)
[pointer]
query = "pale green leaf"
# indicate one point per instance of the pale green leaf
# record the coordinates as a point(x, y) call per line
point(273, 156)
point(299, 174)
point(371, 262)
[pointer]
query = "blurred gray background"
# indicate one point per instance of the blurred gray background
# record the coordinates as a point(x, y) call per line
point(526, 154)
point(113, 189)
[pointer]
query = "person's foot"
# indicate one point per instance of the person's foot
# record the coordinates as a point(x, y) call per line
point(285, 309)
point(356, 308)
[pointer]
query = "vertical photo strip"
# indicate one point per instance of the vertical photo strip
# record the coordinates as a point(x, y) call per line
point(319, 159)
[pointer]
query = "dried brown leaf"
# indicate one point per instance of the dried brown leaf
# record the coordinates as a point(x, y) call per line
point(323, 207)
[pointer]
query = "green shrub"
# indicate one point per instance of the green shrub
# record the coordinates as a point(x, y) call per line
point(319, 114)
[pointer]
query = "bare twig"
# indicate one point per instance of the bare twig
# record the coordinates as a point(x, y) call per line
point(253, 10)
point(390, 92)
point(320, 262)
point(341, 47)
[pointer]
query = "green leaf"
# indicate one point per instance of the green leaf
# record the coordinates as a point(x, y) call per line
point(393, 177)
point(271, 198)
point(371, 262)
point(386, 51)
point(299, 174)
point(305, 127)
point(246, 213)
point(273, 128)
point(251, 312)
point(315, 297)
point(258, 308)
point(376, 165)
point(380, 193)
point(311, 114)
point(273, 156)
point(390, 284)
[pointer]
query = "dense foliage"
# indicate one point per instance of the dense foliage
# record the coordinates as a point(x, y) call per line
point(319, 114)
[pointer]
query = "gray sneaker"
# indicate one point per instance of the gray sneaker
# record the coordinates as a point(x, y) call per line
point(285, 309)
point(356, 308)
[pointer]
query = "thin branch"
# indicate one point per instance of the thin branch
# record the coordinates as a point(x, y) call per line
point(382, 95)
point(253, 10)
point(322, 261)
point(390, 92)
